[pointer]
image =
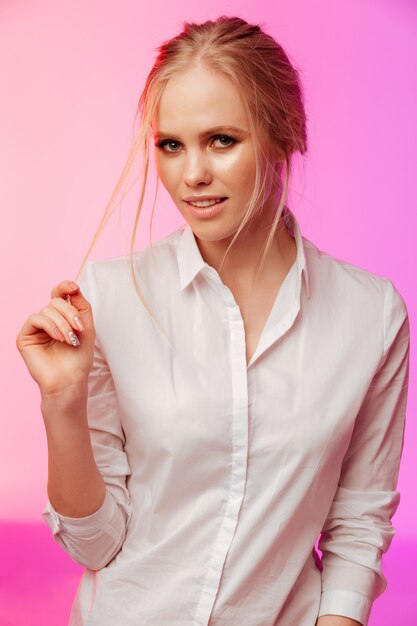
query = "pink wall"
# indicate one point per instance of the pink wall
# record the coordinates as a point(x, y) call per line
point(71, 74)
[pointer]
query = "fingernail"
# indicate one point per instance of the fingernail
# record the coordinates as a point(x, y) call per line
point(73, 338)
point(78, 323)
point(59, 334)
point(73, 286)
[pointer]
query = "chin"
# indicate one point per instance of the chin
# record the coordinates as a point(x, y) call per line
point(213, 232)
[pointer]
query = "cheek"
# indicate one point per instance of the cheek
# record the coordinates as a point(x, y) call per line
point(237, 169)
point(158, 167)
point(166, 172)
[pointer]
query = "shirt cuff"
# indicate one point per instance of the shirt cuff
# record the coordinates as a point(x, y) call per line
point(346, 603)
point(78, 526)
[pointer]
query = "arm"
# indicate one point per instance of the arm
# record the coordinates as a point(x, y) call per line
point(75, 485)
point(358, 527)
point(88, 466)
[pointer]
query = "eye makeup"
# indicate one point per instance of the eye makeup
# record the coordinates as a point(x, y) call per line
point(163, 142)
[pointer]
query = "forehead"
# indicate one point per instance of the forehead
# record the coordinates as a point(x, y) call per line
point(196, 99)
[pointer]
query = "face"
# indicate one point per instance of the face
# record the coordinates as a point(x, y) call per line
point(204, 149)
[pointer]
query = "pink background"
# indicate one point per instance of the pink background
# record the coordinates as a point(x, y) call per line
point(71, 74)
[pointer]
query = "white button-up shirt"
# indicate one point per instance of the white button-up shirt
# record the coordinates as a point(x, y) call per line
point(220, 475)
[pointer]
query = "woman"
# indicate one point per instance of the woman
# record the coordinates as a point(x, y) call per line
point(192, 477)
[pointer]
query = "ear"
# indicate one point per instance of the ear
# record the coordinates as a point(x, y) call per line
point(277, 154)
point(278, 165)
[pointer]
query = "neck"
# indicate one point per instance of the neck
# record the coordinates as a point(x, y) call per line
point(244, 257)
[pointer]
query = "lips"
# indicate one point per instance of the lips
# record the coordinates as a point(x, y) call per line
point(208, 211)
point(201, 198)
point(206, 202)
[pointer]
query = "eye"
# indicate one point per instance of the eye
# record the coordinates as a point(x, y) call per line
point(173, 144)
point(230, 140)
point(167, 142)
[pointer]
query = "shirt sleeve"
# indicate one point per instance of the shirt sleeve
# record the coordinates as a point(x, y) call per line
point(358, 529)
point(92, 541)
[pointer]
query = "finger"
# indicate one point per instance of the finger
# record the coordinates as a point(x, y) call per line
point(61, 323)
point(76, 299)
point(68, 311)
point(64, 288)
point(35, 323)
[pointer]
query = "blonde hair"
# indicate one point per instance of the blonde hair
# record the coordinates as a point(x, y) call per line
point(272, 95)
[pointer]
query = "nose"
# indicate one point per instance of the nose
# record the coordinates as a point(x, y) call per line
point(196, 169)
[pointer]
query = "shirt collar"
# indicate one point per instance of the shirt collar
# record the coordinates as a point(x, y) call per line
point(190, 261)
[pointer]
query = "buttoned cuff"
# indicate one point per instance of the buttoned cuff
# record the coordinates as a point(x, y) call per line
point(346, 603)
point(80, 526)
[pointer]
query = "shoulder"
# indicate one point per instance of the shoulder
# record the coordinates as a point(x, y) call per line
point(338, 276)
point(364, 300)
point(155, 262)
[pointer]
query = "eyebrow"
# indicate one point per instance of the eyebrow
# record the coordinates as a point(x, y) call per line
point(234, 129)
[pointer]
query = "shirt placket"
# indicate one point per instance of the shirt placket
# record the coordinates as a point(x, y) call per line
point(237, 480)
